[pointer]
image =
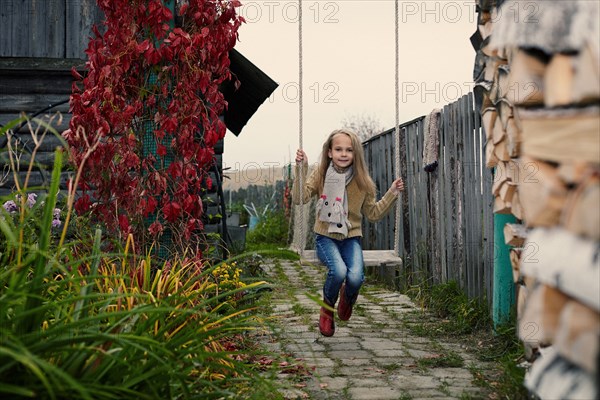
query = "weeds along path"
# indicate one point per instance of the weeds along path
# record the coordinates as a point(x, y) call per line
point(378, 354)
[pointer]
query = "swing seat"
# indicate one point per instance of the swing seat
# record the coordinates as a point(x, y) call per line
point(384, 265)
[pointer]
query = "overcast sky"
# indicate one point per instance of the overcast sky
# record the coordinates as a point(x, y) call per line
point(348, 68)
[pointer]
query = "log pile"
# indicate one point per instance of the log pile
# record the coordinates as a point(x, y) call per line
point(537, 75)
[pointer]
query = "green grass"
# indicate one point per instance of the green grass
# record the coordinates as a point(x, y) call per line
point(457, 316)
point(442, 359)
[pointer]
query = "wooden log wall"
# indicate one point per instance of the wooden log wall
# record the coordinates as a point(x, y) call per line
point(539, 80)
point(446, 227)
point(40, 41)
point(27, 87)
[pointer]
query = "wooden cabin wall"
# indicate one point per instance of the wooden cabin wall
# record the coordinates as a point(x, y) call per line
point(46, 28)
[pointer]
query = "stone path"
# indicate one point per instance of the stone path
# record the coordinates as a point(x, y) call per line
point(373, 356)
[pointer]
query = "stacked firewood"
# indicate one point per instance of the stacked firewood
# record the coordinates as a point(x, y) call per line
point(538, 79)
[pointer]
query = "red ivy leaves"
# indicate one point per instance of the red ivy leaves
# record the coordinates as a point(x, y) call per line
point(149, 83)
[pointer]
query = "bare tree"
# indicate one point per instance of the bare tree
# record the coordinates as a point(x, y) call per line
point(365, 125)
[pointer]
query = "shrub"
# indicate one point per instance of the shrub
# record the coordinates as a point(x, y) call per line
point(153, 121)
point(272, 229)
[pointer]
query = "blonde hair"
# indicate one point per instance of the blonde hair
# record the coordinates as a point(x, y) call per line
point(361, 173)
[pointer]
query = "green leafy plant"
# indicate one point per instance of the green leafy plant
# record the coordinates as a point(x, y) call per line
point(270, 232)
point(80, 323)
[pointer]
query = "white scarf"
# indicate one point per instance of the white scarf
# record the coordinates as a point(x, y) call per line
point(332, 207)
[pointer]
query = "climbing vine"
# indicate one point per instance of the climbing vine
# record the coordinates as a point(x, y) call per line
point(150, 101)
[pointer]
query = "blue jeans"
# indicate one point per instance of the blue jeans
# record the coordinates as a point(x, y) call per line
point(344, 261)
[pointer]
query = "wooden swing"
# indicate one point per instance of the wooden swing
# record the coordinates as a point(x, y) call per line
point(372, 258)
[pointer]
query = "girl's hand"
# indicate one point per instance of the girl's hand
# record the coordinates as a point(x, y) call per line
point(301, 157)
point(397, 186)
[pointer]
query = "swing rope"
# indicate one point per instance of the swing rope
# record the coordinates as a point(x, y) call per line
point(302, 241)
point(397, 133)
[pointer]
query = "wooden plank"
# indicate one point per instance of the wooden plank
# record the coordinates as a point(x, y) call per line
point(463, 244)
point(451, 199)
point(419, 199)
point(457, 211)
point(389, 220)
point(36, 24)
point(473, 228)
point(453, 253)
point(386, 230)
point(20, 38)
point(415, 201)
point(366, 239)
point(44, 159)
point(393, 175)
point(44, 24)
point(35, 65)
point(434, 223)
point(440, 203)
point(443, 181)
point(383, 234)
point(36, 179)
point(402, 251)
point(467, 244)
point(382, 189)
point(370, 227)
point(80, 17)
point(412, 199)
point(32, 81)
point(431, 181)
point(470, 232)
point(6, 10)
point(477, 195)
point(461, 206)
point(56, 27)
point(371, 258)
point(378, 183)
point(10, 103)
point(24, 130)
point(423, 189)
point(444, 195)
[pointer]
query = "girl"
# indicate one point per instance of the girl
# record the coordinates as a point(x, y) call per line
point(346, 192)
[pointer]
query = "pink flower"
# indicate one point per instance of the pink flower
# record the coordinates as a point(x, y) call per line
point(31, 199)
point(10, 206)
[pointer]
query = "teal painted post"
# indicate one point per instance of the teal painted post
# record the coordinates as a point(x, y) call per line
point(171, 6)
point(504, 287)
point(149, 146)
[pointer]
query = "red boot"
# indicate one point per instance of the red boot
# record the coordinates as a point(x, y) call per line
point(344, 306)
point(326, 324)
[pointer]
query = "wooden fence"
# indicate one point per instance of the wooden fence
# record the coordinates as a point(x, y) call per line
point(447, 219)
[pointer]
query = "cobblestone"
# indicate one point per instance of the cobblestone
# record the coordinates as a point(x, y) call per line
point(371, 357)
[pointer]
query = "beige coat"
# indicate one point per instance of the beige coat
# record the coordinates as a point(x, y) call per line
point(359, 204)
